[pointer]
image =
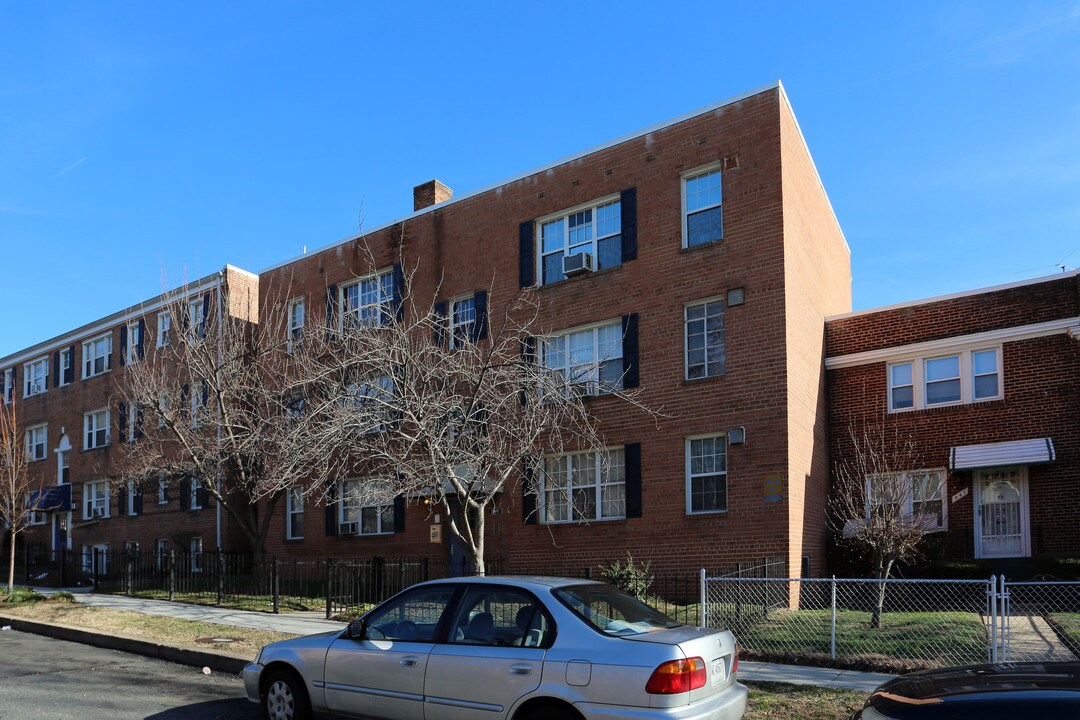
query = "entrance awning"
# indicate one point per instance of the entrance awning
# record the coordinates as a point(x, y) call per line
point(1014, 452)
point(57, 497)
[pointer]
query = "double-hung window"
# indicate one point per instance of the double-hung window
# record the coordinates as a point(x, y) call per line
point(134, 498)
point(67, 365)
point(95, 500)
point(162, 490)
point(706, 474)
point(296, 323)
point(96, 356)
point(373, 403)
point(294, 513)
point(462, 321)
point(35, 377)
point(161, 553)
point(134, 342)
point(199, 396)
point(195, 494)
point(197, 319)
point(594, 230)
point(368, 302)
point(584, 486)
point(588, 361)
point(96, 429)
point(36, 442)
point(916, 496)
point(957, 378)
point(703, 220)
point(37, 517)
point(164, 326)
point(704, 338)
point(359, 513)
point(196, 547)
point(9, 385)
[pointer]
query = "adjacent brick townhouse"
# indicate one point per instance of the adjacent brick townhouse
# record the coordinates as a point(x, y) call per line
point(987, 385)
point(696, 260)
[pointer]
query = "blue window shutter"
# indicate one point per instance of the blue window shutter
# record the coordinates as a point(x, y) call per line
point(69, 376)
point(121, 420)
point(632, 457)
point(205, 314)
point(331, 509)
point(528, 495)
point(185, 493)
point(142, 334)
point(526, 248)
point(630, 350)
point(439, 310)
point(123, 344)
point(628, 204)
point(56, 368)
point(331, 309)
point(480, 326)
point(399, 514)
point(398, 283)
point(528, 356)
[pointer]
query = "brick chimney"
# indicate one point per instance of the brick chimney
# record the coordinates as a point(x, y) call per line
point(430, 193)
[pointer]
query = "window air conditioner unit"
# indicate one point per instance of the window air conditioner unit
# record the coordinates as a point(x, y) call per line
point(348, 528)
point(97, 513)
point(578, 264)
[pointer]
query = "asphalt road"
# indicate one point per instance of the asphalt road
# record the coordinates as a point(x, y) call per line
point(46, 679)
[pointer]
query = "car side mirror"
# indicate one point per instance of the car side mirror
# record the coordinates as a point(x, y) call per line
point(355, 631)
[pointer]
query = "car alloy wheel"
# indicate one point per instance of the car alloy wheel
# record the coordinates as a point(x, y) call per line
point(284, 698)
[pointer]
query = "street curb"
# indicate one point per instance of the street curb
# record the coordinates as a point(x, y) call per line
point(216, 661)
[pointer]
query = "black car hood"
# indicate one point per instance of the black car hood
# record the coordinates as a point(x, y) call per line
point(981, 691)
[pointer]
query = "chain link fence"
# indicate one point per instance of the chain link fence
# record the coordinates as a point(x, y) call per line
point(1041, 621)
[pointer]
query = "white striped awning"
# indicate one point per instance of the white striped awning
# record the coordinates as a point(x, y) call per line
point(1014, 452)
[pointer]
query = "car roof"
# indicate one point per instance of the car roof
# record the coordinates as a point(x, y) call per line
point(518, 580)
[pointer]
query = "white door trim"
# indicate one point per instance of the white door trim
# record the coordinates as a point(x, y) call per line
point(1025, 520)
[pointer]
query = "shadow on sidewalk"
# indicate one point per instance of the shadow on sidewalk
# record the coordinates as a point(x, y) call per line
point(235, 709)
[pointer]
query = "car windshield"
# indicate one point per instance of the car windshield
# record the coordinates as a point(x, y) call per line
point(611, 611)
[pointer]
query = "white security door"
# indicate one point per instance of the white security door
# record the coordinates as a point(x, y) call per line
point(1001, 513)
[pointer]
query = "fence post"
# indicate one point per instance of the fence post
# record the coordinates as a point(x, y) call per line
point(130, 572)
point(832, 642)
point(94, 565)
point(328, 594)
point(275, 588)
point(172, 575)
point(991, 601)
point(220, 577)
point(704, 600)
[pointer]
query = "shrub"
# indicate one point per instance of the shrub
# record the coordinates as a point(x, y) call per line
point(628, 576)
point(63, 596)
point(24, 595)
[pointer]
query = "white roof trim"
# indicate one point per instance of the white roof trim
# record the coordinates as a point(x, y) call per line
point(956, 343)
point(952, 296)
point(1014, 452)
point(535, 171)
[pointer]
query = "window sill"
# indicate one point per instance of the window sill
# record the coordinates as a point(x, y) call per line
point(698, 381)
point(943, 407)
point(91, 377)
point(707, 513)
point(579, 523)
point(583, 276)
point(294, 539)
point(692, 248)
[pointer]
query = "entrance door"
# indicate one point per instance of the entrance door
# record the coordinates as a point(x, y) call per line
point(1001, 513)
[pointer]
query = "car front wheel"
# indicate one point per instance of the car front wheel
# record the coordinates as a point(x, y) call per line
point(284, 697)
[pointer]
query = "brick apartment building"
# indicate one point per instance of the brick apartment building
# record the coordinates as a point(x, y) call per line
point(987, 385)
point(701, 255)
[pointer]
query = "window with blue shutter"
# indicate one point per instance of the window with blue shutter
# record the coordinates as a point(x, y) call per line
point(331, 509)
point(527, 263)
point(439, 331)
point(629, 224)
point(632, 457)
point(630, 351)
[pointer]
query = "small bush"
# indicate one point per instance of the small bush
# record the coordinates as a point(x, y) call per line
point(24, 595)
point(628, 576)
point(63, 596)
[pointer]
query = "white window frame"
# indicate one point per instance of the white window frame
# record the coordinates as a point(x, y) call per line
point(95, 349)
point(196, 319)
point(95, 496)
point(37, 436)
point(382, 307)
point(67, 361)
point(161, 553)
point(461, 329)
point(63, 462)
point(37, 517)
point(381, 392)
point(164, 327)
point(585, 378)
point(350, 509)
point(95, 422)
point(590, 245)
point(88, 557)
point(195, 402)
point(297, 317)
point(706, 303)
point(908, 500)
point(607, 468)
point(693, 174)
point(36, 377)
point(294, 506)
point(691, 475)
point(132, 421)
point(163, 488)
point(134, 337)
point(132, 491)
point(8, 386)
point(193, 497)
point(196, 547)
point(966, 378)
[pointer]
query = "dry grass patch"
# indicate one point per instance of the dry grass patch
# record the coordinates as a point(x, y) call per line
point(782, 701)
point(174, 631)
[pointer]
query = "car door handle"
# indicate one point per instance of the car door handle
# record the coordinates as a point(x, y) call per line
point(520, 669)
point(407, 662)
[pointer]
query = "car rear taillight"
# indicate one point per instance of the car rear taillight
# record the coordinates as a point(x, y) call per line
point(677, 676)
point(735, 662)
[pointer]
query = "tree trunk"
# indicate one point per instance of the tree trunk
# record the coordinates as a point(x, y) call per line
point(478, 548)
point(884, 567)
point(11, 565)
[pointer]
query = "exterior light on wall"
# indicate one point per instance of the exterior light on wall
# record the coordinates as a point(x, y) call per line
point(736, 435)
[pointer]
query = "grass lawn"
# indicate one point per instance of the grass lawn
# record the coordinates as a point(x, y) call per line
point(904, 641)
point(185, 633)
point(781, 701)
point(1067, 626)
point(258, 604)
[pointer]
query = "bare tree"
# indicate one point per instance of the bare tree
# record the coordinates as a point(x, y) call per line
point(882, 504)
point(216, 411)
point(16, 482)
point(455, 410)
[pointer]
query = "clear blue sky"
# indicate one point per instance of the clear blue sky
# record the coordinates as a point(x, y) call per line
point(148, 140)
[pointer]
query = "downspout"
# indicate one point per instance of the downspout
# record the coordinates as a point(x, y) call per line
point(221, 279)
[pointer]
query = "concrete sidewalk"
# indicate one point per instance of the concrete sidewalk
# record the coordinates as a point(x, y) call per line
point(307, 623)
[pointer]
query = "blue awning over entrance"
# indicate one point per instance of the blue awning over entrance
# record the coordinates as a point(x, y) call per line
point(1013, 452)
point(57, 497)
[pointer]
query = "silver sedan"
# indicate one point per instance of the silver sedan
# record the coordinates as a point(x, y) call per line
point(523, 648)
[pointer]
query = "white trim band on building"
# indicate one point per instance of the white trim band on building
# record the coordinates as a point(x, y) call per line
point(1013, 452)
